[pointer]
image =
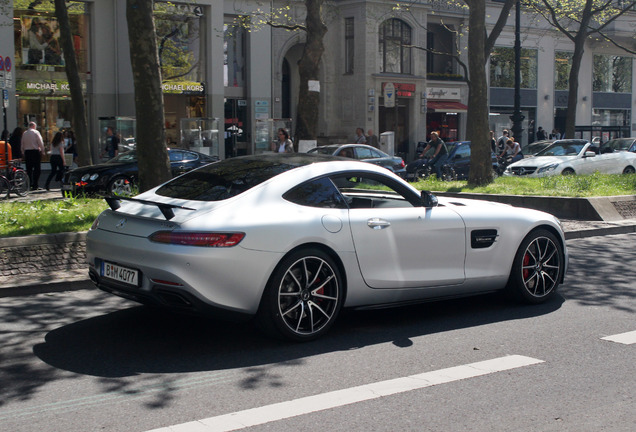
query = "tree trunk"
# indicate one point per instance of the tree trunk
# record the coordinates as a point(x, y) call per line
point(477, 119)
point(308, 101)
point(154, 165)
point(80, 125)
point(573, 85)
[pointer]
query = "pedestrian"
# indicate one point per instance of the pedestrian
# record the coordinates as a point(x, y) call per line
point(540, 134)
point(512, 149)
point(372, 139)
point(56, 160)
point(501, 142)
point(493, 142)
point(439, 157)
point(111, 149)
point(360, 138)
point(555, 135)
point(32, 148)
point(15, 140)
point(283, 144)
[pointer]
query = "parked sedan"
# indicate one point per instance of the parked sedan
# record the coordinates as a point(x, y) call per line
point(619, 144)
point(533, 148)
point(456, 165)
point(364, 153)
point(573, 156)
point(291, 239)
point(118, 175)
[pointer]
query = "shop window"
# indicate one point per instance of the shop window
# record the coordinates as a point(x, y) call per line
point(394, 45)
point(563, 65)
point(37, 36)
point(502, 68)
point(234, 72)
point(612, 74)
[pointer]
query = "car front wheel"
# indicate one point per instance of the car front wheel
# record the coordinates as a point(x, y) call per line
point(303, 297)
point(537, 268)
point(629, 170)
point(120, 185)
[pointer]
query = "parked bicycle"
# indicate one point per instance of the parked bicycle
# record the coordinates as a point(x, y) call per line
point(15, 180)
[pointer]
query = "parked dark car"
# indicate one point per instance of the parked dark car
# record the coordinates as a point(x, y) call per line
point(618, 144)
point(118, 175)
point(533, 148)
point(456, 164)
point(364, 153)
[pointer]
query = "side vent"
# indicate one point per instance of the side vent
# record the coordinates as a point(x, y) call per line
point(480, 239)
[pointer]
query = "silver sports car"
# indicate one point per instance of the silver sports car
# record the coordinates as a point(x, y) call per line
point(290, 239)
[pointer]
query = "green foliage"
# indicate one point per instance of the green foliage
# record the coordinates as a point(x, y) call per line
point(566, 186)
point(48, 217)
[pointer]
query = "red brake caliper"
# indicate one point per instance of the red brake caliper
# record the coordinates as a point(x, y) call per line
point(526, 261)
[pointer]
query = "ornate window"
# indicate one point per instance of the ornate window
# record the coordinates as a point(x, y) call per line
point(502, 68)
point(562, 66)
point(349, 45)
point(395, 50)
point(612, 74)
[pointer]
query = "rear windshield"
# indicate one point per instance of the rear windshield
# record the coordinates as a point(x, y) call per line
point(230, 177)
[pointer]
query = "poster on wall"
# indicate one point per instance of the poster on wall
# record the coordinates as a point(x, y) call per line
point(40, 41)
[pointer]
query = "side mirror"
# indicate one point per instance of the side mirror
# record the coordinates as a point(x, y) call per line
point(590, 154)
point(428, 199)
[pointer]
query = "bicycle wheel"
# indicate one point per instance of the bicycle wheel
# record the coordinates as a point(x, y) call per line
point(21, 183)
point(5, 186)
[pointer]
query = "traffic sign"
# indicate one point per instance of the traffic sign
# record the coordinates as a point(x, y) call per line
point(5, 98)
point(389, 95)
point(7, 64)
point(1, 63)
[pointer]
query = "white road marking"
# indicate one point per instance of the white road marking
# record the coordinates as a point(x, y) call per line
point(309, 404)
point(623, 338)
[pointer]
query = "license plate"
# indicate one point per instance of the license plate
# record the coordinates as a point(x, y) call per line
point(120, 274)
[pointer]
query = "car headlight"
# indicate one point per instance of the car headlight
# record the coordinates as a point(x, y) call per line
point(547, 168)
point(91, 177)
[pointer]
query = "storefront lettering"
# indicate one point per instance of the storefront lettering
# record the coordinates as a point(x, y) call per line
point(183, 88)
point(47, 86)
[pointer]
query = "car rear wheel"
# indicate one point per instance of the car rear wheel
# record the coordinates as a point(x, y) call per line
point(537, 267)
point(629, 170)
point(120, 185)
point(303, 297)
point(568, 171)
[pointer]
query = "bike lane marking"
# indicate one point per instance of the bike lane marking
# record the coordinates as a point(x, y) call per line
point(324, 401)
point(627, 338)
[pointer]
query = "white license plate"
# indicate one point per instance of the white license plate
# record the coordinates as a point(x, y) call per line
point(120, 274)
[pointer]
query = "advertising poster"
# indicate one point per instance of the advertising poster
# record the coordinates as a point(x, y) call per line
point(40, 41)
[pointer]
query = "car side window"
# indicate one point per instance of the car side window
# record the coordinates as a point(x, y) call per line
point(363, 153)
point(316, 193)
point(463, 152)
point(176, 156)
point(369, 190)
point(189, 156)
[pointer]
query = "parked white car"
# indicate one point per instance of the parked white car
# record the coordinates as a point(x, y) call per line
point(573, 156)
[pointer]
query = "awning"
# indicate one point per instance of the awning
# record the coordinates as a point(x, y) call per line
point(446, 107)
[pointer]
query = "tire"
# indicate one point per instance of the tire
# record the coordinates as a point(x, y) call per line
point(448, 173)
point(423, 172)
point(5, 187)
point(120, 185)
point(21, 183)
point(629, 170)
point(303, 297)
point(537, 268)
point(568, 171)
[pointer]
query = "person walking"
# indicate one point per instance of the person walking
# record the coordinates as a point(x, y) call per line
point(501, 142)
point(283, 144)
point(112, 144)
point(15, 140)
point(32, 148)
point(56, 160)
point(360, 138)
point(372, 139)
point(541, 134)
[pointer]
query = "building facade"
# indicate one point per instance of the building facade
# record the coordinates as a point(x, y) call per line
point(373, 73)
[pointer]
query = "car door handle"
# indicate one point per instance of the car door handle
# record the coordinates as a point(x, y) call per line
point(378, 224)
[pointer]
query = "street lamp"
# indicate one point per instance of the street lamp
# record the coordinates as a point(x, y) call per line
point(517, 117)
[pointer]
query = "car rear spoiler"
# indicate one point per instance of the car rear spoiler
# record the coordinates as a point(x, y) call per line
point(166, 209)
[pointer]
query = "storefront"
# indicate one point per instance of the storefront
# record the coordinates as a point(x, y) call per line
point(41, 86)
point(396, 118)
point(443, 109)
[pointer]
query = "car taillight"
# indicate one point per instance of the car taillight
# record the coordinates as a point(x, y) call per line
point(402, 164)
point(190, 238)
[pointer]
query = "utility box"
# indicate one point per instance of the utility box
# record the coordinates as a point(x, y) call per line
point(387, 142)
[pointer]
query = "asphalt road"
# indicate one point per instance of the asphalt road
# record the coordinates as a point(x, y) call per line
point(86, 361)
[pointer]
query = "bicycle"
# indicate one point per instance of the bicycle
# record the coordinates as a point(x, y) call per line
point(16, 180)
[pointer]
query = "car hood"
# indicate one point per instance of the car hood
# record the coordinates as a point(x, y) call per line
point(101, 167)
point(539, 161)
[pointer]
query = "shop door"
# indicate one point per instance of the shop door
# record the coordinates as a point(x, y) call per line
point(396, 119)
point(236, 128)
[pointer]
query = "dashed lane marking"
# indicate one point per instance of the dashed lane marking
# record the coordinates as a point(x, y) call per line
point(623, 338)
point(310, 404)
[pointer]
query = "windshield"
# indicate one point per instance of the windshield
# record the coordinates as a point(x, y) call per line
point(129, 156)
point(230, 177)
point(325, 150)
point(563, 148)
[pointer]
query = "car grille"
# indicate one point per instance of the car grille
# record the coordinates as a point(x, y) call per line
point(521, 171)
